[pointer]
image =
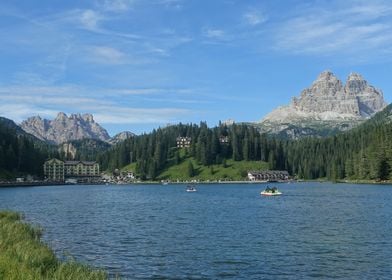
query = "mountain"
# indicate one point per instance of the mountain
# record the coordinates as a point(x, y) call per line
point(11, 125)
point(63, 128)
point(120, 137)
point(20, 152)
point(363, 153)
point(84, 149)
point(7, 123)
point(325, 108)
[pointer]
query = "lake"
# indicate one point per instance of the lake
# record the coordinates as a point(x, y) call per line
point(222, 231)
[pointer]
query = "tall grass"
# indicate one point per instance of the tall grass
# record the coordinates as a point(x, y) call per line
point(24, 256)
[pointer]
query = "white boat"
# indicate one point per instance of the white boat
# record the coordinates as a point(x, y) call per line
point(271, 192)
point(191, 189)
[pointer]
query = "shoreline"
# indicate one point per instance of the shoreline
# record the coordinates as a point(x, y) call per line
point(29, 184)
point(24, 254)
point(44, 184)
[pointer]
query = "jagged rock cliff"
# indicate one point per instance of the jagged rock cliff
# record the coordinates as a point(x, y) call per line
point(122, 136)
point(84, 149)
point(327, 105)
point(63, 128)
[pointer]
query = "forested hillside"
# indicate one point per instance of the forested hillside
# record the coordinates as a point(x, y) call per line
point(20, 153)
point(83, 149)
point(155, 151)
point(362, 153)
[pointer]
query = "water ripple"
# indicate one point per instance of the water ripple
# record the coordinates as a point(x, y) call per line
point(221, 232)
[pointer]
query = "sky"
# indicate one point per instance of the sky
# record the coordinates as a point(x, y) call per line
point(142, 64)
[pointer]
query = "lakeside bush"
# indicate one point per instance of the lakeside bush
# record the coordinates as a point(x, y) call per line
point(24, 256)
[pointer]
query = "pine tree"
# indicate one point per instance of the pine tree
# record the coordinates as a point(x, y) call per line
point(191, 170)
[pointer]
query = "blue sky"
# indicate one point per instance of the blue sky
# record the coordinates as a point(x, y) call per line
point(140, 64)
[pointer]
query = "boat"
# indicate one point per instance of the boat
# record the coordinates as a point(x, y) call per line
point(191, 189)
point(271, 192)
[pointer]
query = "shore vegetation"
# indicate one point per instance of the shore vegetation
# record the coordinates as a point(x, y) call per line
point(24, 256)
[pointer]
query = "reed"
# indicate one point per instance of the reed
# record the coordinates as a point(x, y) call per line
point(24, 256)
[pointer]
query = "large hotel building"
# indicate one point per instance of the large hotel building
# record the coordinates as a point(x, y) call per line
point(56, 170)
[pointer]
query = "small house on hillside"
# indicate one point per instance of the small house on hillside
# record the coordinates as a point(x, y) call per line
point(184, 142)
point(269, 175)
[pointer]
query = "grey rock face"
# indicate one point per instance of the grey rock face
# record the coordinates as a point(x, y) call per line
point(327, 105)
point(64, 128)
point(327, 99)
point(122, 136)
point(68, 150)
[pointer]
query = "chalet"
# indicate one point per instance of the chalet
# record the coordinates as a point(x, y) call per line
point(268, 175)
point(184, 142)
point(224, 139)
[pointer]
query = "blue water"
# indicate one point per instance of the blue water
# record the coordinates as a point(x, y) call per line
point(314, 230)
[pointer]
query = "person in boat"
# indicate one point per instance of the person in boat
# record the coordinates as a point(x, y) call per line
point(274, 189)
point(268, 189)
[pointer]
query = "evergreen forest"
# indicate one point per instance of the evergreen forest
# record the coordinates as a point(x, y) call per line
point(21, 153)
point(363, 153)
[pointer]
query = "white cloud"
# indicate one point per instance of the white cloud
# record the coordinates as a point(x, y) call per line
point(139, 115)
point(21, 111)
point(89, 19)
point(254, 17)
point(117, 5)
point(351, 28)
point(104, 114)
point(176, 4)
point(108, 55)
point(21, 102)
point(149, 91)
point(214, 33)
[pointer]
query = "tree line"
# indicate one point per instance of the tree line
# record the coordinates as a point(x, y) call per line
point(20, 153)
point(363, 153)
point(154, 151)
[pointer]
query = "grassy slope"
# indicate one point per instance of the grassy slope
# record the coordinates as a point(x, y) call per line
point(24, 256)
point(234, 170)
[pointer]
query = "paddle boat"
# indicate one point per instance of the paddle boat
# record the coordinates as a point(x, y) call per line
point(191, 189)
point(271, 192)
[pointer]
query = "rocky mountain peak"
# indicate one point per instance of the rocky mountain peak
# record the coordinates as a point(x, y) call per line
point(326, 84)
point(354, 77)
point(88, 118)
point(356, 84)
point(120, 137)
point(63, 128)
point(61, 116)
point(326, 76)
point(328, 100)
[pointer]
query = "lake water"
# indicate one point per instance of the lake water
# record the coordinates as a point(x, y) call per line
point(314, 230)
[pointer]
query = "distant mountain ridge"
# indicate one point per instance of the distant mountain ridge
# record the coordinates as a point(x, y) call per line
point(64, 128)
point(20, 152)
point(11, 125)
point(119, 137)
point(325, 107)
